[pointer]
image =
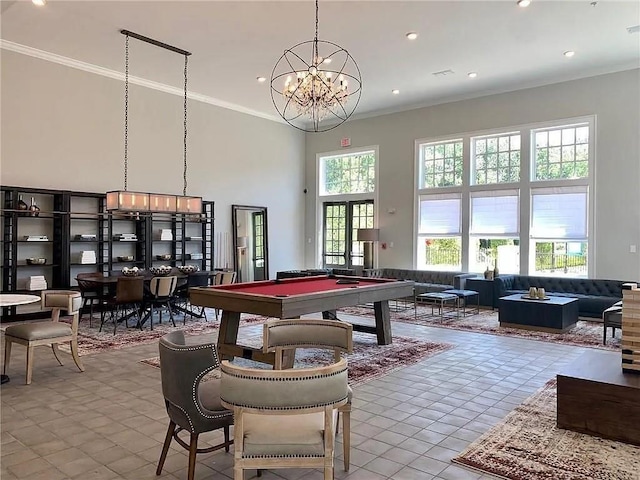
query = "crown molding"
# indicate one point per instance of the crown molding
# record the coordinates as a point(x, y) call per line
point(143, 82)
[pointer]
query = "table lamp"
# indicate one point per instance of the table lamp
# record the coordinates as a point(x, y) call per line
point(368, 236)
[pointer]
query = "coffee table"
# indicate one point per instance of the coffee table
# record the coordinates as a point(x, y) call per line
point(555, 315)
point(440, 300)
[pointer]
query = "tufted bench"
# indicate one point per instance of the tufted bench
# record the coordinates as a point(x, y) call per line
point(426, 281)
point(594, 295)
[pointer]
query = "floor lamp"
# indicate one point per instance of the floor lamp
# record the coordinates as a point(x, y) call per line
point(368, 236)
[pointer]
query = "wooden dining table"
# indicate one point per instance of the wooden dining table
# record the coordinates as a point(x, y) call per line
point(110, 281)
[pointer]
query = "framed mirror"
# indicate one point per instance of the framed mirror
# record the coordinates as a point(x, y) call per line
point(250, 242)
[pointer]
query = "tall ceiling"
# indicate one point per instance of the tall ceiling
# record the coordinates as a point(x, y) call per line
point(234, 42)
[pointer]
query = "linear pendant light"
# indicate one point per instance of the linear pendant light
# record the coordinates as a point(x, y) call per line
point(125, 201)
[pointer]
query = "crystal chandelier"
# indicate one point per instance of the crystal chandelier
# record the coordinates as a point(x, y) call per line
point(326, 88)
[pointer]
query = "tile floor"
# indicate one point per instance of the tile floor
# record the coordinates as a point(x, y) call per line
point(109, 422)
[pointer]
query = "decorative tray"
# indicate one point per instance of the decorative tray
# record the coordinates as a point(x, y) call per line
point(527, 297)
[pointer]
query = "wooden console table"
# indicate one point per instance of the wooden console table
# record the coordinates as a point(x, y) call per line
point(597, 398)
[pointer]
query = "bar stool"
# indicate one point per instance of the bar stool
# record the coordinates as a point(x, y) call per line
point(49, 332)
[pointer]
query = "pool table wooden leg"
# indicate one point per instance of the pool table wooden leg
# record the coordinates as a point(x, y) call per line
point(228, 332)
point(383, 322)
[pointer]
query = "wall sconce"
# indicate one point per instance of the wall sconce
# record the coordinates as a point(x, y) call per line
point(368, 236)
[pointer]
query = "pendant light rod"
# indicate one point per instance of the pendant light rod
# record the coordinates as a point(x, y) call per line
point(166, 46)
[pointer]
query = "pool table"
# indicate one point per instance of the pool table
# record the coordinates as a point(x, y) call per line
point(292, 297)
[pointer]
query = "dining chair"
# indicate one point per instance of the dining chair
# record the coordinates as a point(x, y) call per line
point(284, 337)
point(195, 279)
point(283, 418)
point(223, 278)
point(49, 332)
point(92, 292)
point(193, 405)
point(126, 302)
point(161, 290)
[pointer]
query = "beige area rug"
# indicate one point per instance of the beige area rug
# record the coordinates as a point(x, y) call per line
point(527, 445)
point(368, 359)
point(584, 334)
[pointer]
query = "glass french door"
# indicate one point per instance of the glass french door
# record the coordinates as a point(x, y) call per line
point(341, 220)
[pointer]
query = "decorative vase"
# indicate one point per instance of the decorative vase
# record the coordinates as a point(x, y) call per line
point(488, 274)
point(22, 205)
point(496, 272)
point(34, 210)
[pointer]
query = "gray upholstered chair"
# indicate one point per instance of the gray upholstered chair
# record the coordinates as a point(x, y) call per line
point(285, 336)
point(611, 318)
point(192, 406)
point(283, 418)
point(47, 333)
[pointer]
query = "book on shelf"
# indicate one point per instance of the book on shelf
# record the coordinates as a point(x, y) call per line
point(88, 257)
point(86, 237)
point(36, 282)
point(126, 237)
point(194, 238)
point(36, 238)
point(166, 234)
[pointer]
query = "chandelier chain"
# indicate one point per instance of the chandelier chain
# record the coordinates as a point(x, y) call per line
point(184, 190)
point(316, 38)
point(126, 110)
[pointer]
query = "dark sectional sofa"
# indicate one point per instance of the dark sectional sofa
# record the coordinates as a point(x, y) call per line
point(425, 280)
point(594, 295)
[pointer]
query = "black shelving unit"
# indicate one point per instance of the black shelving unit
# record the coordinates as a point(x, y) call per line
point(65, 215)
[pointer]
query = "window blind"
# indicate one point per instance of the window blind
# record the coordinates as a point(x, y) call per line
point(559, 213)
point(495, 213)
point(440, 214)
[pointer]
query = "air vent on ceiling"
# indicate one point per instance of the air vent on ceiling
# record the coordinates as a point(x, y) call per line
point(442, 73)
point(634, 29)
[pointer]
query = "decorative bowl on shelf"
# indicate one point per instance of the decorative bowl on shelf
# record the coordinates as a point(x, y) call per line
point(36, 261)
point(131, 272)
point(165, 256)
point(187, 269)
point(160, 271)
point(125, 258)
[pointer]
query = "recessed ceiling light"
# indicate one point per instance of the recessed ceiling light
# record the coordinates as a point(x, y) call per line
point(524, 3)
point(569, 53)
point(40, 3)
point(261, 79)
point(395, 91)
point(472, 74)
point(412, 35)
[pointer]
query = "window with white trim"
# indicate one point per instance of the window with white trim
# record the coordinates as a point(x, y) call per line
point(494, 236)
point(348, 174)
point(439, 235)
point(527, 199)
point(559, 230)
point(561, 152)
point(496, 159)
point(441, 164)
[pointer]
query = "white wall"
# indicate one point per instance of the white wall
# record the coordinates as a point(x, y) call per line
point(62, 128)
point(613, 98)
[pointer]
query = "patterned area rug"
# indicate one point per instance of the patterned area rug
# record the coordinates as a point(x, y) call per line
point(527, 445)
point(91, 340)
point(367, 361)
point(584, 334)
